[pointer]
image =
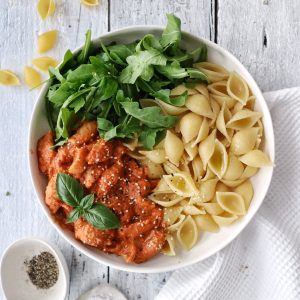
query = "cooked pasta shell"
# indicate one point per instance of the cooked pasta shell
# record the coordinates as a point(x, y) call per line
point(249, 172)
point(235, 168)
point(176, 225)
point(180, 89)
point(207, 191)
point(237, 88)
point(223, 117)
point(43, 63)
point(165, 199)
point(193, 210)
point(155, 171)
point(46, 8)
point(256, 158)
point(231, 202)
point(202, 89)
point(189, 126)
point(212, 208)
point(203, 132)
point(131, 144)
point(246, 191)
point(171, 214)
point(208, 175)
point(249, 105)
point(89, 2)
point(224, 219)
point(199, 104)
point(206, 223)
point(32, 77)
point(170, 168)
point(169, 246)
point(162, 187)
point(218, 162)
point(182, 184)
point(219, 93)
point(8, 77)
point(171, 109)
point(233, 183)
point(197, 167)
point(157, 156)
point(207, 148)
point(136, 155)
point(244, 141)
point(47, 40)
point(212, 71)
point(187, 234)
point(243, 119)
point(221, 187)
point(191, 151)
point(216, 110)
point(174, 147)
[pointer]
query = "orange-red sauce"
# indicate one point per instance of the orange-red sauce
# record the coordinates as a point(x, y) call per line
point(117, 181)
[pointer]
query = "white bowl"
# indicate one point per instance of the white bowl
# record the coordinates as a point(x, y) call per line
point(14, 279)
point(209, 244)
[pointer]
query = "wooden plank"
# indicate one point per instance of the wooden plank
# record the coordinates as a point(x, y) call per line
point(264, 37)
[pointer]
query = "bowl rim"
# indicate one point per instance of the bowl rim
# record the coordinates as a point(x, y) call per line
point(157, 269)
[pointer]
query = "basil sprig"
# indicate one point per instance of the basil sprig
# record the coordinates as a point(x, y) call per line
point(71, 192)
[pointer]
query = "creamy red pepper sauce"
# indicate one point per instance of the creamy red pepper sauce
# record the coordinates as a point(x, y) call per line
point(105, 169)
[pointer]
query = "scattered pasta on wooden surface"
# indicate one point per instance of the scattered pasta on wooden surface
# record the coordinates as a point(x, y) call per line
point(46, 8)
point(43, 63)
point(89, 2)
point(47, 41)
point(8, 77)
point(32, 77)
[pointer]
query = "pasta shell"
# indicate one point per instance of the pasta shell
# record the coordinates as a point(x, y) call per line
point(162, 187)
point(249, 172)
point(47, 40)
point(249, 105)
point(157, 156)
point(207, 191)
point(199, 104)
point(215, 109)
point(180, 89)
point(8, 77)
point(231, 202)
point(193, 210)
point(131, 144)
point(235, 168)
point(136, 155)
point(203, 132)
point(176, 225)
point(206, 148)
point(212, 208)
point(169, 246)
point(202, 89)
point(191, 151)
point(243, 119)
point(174, 147)
point(171, 109)
point(208, 175)
point(233, 183)
point(197, 167)
point(246, 191)
point(165, 199)
point(155, 171)
point(218, 162)
point(223, 117)
point(170, 168)
point(206, 223)
point(221, 187)
point(171, 214)
point(89, 2)
point(256, 158)
point(224, 219)
point(187, 234)
point(43, 63)
point(189, 126)
point(237, 88)
point(46, 8)
point(32, 77)
point(244, 141)
point(212, 71)
point(219, 93)
point(182, 184)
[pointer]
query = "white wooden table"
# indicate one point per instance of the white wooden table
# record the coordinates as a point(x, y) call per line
point(263, 34)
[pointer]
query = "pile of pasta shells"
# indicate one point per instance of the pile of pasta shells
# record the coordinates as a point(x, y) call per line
point(205, 162)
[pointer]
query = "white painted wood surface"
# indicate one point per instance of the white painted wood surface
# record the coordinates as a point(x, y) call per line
point(263, 34)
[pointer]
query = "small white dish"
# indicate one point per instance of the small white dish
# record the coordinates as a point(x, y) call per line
point(14, 278)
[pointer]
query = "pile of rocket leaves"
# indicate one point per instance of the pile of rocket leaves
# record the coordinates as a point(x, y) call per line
point(105, 83)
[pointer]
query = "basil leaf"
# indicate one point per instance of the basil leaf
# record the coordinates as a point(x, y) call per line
point(83, 56)
point(87, 201)
point(150, 116)
point(102, 217)
point(65, 124)
point(69, 189)
point(74, 215)
point(171, 36)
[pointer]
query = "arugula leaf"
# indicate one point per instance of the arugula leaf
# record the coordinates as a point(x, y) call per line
point(102, 217)
point(68, 61)
point(147, 42)
point(83, 56)
point(164, 95)
point(77, 104)
point(108, 87)
point(68, 189)
point(141, 64)
point(171, 36)
point(65, 123)
point(150, 116)
point(148, 138)
point(54, 73)
point(173, 70)
point(197, 74)
point(74, 215)
point(82, 74)
point(104, 125)
point(120, 52)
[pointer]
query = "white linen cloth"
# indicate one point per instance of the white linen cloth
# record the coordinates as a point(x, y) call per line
point(263, 262)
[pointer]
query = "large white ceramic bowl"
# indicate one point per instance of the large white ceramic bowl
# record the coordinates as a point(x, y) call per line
point(208, 243)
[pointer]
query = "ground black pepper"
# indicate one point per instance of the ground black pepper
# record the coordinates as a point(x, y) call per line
point(42, 270)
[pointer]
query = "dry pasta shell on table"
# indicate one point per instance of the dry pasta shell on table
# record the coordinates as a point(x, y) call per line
point(165, 199)
point(169, 246)
point(8, 77)
point(174, 147)
point(246, 191)
point(223, 117)
point(187, 233)
point(43, 63)
point(231, 202)
point(181, 184)
point(237, 88)
point(218, 162)
point(235, 168)
point(189, 126)
point(206, 148)
point(203, 132)
point(47, 40)
point(206, 223)
point(243, 119)
point(32, 77)
point(180, 89)
point(199, 104)
point(157, 156)
point(46, 8)
point(224, 219)
point(212, 71)
point(90, 2)
point(244, 141)
point(256, 159)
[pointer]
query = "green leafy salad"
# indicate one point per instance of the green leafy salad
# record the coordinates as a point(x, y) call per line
point(106, 82)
